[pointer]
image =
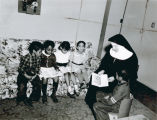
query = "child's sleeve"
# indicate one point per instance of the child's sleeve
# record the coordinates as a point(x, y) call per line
point(22, 65)
point(38, 66)
point(54, 62)
point(120, 94)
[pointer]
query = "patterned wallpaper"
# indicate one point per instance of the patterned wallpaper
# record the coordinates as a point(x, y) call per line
point(10, 52)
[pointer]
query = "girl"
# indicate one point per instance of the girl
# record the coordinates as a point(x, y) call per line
point(49, 69)
point(62, 59)
point(77, 62)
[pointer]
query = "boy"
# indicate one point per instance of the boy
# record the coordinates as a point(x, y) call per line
point(111, 103)
point(28, 71)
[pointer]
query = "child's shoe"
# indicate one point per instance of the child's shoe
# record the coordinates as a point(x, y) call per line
point(83, 86)
point(71, 95)
point(87, 85)
point(53, 95)
point(18, 100)
point(44, 99)
point(70, 92)
point(77, 93)
point(76, 90)
point(54, 98)
point(28, 102)
point(17, 103)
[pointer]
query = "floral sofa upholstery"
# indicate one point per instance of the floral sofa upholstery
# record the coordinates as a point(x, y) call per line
point(10, 52)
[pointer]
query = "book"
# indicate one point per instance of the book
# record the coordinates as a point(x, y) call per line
point(99, 80)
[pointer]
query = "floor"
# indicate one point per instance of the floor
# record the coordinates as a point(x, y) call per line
point(147, 96)
point(74, 109)
point(66, 109)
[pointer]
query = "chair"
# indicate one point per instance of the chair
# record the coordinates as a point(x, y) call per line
point(123, 110)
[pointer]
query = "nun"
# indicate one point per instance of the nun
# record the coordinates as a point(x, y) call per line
point(119, 55)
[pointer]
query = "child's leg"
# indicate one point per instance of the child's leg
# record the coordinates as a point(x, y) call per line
point(22, 87)
point(36, 89)
point(73, 77)
point(85, 76)
point(21, 95)
point(67, 79)
point(55, 86)
point(80, 77)
point(44, 89)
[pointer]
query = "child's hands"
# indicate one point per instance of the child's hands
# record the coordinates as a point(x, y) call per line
point(57, 68)
point(111, 79)
point(101, 72)
point(28, 77)
point(106, 97)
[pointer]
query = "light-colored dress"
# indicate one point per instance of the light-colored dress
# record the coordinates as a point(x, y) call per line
point(78, 61)
point(62, 61)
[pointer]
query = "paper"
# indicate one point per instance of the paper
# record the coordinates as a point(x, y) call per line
point(99, 80)
point(113, 116)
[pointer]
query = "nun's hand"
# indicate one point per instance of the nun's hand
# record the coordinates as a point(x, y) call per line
point(111, 79)
point(101, 72)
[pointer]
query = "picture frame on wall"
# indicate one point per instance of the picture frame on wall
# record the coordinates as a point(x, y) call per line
point(32, 7)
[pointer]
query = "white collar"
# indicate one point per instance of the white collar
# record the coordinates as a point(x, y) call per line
point(45, 54)
point(122, 53)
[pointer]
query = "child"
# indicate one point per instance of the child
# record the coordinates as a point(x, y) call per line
point(77, 62)
point(49, 70)
point(62, 59)
point(28, 70)
point(111, 103)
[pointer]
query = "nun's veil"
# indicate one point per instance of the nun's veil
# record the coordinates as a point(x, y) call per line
point(121, 40)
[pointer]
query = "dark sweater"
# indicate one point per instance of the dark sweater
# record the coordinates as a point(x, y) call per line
point(48, 61)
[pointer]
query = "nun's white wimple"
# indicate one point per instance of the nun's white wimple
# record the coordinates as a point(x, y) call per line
point(121, 54)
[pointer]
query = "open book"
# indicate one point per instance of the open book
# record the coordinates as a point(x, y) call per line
point(99, 80)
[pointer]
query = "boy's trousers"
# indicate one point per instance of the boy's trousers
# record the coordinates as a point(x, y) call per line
point(22, 88)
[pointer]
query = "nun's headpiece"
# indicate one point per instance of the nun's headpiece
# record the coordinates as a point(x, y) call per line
point(125, 50)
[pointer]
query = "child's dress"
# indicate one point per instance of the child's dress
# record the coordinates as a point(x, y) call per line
point(62, 61)
point(48, 66)
point(78, 61)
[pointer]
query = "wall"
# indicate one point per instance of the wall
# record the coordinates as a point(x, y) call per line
point(113, 25)
point(70, 20)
